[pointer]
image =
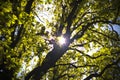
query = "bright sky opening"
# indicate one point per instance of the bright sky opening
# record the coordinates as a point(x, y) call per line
point(61, 40)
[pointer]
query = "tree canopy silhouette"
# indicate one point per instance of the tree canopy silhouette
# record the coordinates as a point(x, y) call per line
point(29, 42)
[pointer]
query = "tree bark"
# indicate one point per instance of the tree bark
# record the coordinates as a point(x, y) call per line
point(49, 61)
point(58, 51)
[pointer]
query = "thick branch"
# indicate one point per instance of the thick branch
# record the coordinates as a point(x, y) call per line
point(49, 61)
point(60, 29)
point(72, 15)
point(81, 33)
point(28, 6)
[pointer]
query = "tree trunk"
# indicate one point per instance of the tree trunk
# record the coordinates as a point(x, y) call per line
point(49, 61)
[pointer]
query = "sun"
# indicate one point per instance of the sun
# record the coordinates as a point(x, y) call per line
point(61, 40)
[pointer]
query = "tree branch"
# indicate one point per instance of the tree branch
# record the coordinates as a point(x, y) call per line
point(100, 74)
point(87, 54)
point(71, 65)
point(117, 14)
point(104, 35)
point(80, 45)
point(85, 28)
point(117, 35)
point(72, 15)
point(49, 61)
point(79, 22)
point(96, 40)
point(61, 27)
point(28, 6)
point(16, 39)
point(75, 66)
point(81, 33)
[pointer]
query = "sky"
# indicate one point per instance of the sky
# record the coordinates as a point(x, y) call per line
point(117, 28)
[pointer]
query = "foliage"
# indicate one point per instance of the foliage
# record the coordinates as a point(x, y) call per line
point(91, 51)
point(18, 38)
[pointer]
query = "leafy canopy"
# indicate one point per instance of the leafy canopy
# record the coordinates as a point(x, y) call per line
point(30, 32)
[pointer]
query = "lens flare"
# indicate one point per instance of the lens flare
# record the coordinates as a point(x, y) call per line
point(61, 40)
